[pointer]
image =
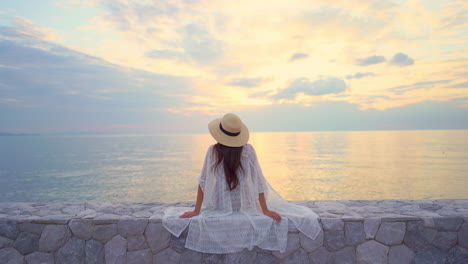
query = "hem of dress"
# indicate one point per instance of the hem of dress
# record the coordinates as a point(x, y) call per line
point(229, 251)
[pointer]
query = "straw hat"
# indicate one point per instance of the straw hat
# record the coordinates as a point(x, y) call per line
point(229, 130)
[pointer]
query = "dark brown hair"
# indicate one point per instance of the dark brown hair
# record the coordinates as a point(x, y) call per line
point(231, 159)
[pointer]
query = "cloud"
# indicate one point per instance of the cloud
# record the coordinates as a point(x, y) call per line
point(246, 82)
point(370, 60)
point(199, 44)
point(359, 75)
point(418, 85)
point(345, 20)
point(458, 85)
point(47, 75)
point(298, 56)
point(24, 29)
point(331, 85)
point(176, 28)
point(401, 59)
point(164, 54)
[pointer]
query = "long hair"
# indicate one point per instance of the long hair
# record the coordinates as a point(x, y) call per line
point(231, 159)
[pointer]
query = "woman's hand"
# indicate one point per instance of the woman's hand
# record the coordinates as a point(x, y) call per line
point(189, 214)
point(273, 215)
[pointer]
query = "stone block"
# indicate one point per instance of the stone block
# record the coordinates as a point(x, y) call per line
point(53, 237)
point(6, 242)
point(334, 240)
point(445, 240)
point(157, 236)
point(354, 233)
point(371, 225)
point(391, 233)
point(140, 257)
point(448, 223)
point(345, 255)
point(81, 228)
point(400, 254)
point(332, 224)
point(116, 250)
point(430, 254)
point(428, 222)
point(9, 229)
point(309, 244)
point(39, 258)
point(104, 233)
point(87, 214)
point(132, 226)
point(94, 252)
point(371, 252)
point(27, 243)
point(463, 235)
point(331, 206)
point(297, 257)
point(321, 256)
point(32, 228)
point(457, 255)
point(417, 236)
point(106, 219)
point(430, 207)
point(241, 257)
point(266, 258)
point(178, 243)
point(292, 245)
point(191, 256)
point(72, 252)
point(137, 242)
point(10, 255)
point(169, 256)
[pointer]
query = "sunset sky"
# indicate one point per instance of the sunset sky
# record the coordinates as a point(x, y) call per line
point(116, 66)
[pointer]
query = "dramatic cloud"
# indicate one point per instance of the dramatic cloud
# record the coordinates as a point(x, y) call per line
point(137, 63)
point(419, 85)
point(330, 85)
point(370, 60)
point(165, 54)
point(298, 56)
point(458, 85)
point(199, 44)
point(246, 82)
point(65, 86)
point(65, 80)
point(360, 75)
point(401, 59)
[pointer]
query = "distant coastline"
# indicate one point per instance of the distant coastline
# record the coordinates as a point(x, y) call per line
point(18, 134)
point(49, 134)
point(201, 132)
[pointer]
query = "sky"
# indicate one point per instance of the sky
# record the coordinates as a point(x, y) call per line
point(118, 66)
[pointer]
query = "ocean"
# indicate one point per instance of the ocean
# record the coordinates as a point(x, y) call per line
point(335, 165)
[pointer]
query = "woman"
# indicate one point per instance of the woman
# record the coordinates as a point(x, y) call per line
point(236, 208)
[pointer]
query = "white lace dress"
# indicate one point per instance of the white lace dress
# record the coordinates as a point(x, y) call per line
point(231, 221)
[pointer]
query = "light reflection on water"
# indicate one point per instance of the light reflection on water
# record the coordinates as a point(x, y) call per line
point(299, 165)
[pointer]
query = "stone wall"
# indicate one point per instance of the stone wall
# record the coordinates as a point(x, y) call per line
point(377, 231)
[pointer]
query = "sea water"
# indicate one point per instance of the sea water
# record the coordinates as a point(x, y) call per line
point(423, 164)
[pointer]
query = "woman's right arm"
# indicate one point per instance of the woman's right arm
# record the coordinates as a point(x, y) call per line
point(272, 214)
point(198, 205)
point(261, 184)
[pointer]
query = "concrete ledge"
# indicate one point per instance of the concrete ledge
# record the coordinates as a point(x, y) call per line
point(375, 231)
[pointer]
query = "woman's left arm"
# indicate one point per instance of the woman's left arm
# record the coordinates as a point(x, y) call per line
point(198, 205)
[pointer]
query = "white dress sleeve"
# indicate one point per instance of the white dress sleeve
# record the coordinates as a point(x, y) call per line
point(206, 167)
point(258, 178)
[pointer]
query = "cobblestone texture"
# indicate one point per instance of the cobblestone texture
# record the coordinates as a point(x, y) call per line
point(375, 231)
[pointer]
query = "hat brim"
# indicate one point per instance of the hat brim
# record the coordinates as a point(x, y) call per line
point(230, 141)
